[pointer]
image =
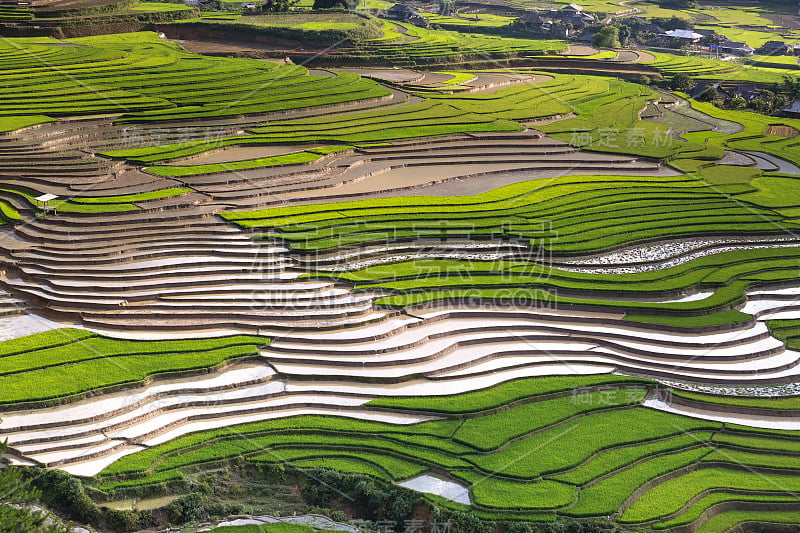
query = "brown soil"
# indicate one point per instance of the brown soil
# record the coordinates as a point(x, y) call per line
point(216, 47)
point(547, 120)
point(390, 75)
point(580, 50)
point(791, 22)
point(645, 56)
point(239, 154)
point(781, 130)
point(627, 56)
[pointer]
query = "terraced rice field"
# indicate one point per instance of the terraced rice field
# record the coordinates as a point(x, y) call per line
point(410, 45)
point(523, 302)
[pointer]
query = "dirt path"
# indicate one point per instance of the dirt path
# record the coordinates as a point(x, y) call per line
point(626, 56)
point(580, 50)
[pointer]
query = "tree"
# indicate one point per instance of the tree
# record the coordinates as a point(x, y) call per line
point(778, 102)
point(673, 23)
point(333, 4)
point(709, 95)
point(187, 508)
point(791, 85)
point(677, 4)
point(606, 37)
point(276, 6)
point(759, 105)
point(211, 5)
point(624, 35)
point(737, 102)
point(18, 513)
point(681, 82)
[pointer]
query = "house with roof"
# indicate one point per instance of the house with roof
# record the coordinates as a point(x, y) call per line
point(418, 20)
point(792, 110)
point(685, 36)
point(736, 48)
point(634, 21)
point(560, 30)
point(400, 12)
point(775, 48)
point(536, 22)
point(699, 90)
point(748, 92)
point(571, 8)
point(577, 21)
point(711, 36)
point(652, 28)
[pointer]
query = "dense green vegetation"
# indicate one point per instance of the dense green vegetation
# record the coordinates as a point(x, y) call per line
point(614, 211)
point(589, 98)
point(147, 79)
point(534, 449)
point(60, 364)
point(422, 45)
point(580, 454)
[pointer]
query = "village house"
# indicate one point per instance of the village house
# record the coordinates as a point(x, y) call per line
point(748, 92)
point(699, 90)
point(535, 22)
point(792, 110)
point(775, 48)
point(687, 37)
point(559, 22)
point(400, 12)
point(736, 48)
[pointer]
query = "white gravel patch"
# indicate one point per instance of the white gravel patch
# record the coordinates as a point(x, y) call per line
point(658, 256)
point(760, 421)
point(114, 401)
point(759, 307)
point(689, 298)
point(441, 487)
point(766, 391)
point(781, 315)
point(479, 251)
point(13, 327)
point(314, 520)
point(94, 466)
point(347, 267)
point(788, 291)
point(362, 414)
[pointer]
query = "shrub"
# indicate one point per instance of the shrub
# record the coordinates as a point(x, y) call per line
point(607, 37)
point(188, 508)
point(122, 521)
point(66, 493)
point(681, 82)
